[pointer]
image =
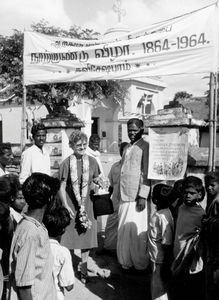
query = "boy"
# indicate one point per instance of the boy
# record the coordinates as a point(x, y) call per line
point(160, 239)
point(211, 235)
point(212, 188)
point(31, 260)
point(188, 225)
point(56, 220)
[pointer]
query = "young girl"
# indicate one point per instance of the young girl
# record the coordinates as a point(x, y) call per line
point(56, 220)
point(160, 237)
point(189, 285)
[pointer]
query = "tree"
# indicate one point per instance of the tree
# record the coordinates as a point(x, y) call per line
point(181, 95)
point(51, 95)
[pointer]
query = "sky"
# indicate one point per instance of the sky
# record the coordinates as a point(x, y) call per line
point(99, 16)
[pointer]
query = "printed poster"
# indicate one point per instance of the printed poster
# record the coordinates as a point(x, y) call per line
point(168, 153)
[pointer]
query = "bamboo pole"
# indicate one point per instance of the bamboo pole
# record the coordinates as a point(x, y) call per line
point(211, 129)
point(215, 124)
point(23, 120)
point(24, 104)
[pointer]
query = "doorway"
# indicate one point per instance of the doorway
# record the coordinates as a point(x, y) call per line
point(95, 126)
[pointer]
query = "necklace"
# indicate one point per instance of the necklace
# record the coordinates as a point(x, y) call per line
point(80, 191)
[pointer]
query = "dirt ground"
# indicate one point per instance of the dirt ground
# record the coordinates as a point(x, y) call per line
point(108, 281)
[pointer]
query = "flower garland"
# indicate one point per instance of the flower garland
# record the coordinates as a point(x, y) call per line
point(82, 223)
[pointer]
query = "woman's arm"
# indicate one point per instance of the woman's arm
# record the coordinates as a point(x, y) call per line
point(63, 198)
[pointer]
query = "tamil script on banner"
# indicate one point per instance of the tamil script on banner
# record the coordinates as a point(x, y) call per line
point(168, 153)
point(186, 44)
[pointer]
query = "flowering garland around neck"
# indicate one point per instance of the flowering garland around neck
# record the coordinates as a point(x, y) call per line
point(81, 191)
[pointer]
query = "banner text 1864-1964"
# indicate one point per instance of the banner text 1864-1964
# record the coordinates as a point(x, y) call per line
point(181, 42)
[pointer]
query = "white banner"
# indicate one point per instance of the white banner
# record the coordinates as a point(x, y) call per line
point(186, 44)
point(168, 153)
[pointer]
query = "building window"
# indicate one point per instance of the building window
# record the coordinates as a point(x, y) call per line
point(145, 105)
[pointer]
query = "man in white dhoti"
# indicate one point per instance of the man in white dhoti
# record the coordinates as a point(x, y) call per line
point(134, 204)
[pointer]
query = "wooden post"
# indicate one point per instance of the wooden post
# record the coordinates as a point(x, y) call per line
point(211, 129)
point(215, 123)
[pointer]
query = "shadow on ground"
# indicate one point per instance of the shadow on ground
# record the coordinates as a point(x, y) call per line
point(108, 281)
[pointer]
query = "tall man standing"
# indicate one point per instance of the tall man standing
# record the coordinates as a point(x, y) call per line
point(133, 209)
point(36, 158)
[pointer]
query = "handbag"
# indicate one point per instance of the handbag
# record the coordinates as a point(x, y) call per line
point(102, 204)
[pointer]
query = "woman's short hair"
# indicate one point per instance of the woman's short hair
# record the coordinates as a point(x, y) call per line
point(76, 136)
point(56, 220)
point(36, 127)
point(39, 188)
point(196, 183)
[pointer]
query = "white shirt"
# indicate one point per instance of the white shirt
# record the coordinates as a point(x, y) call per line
point(160, 233)
point(33, 160)
point(62, 269)
point(96, 155)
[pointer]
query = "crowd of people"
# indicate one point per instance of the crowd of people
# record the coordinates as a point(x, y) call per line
point(163, 230)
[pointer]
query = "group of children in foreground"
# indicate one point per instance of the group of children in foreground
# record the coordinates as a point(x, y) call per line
point(184, 240)
point(37, 267)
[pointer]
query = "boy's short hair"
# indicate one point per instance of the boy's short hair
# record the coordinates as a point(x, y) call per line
point(14, 183)
point(4, 211)
point(7, 190)
point(161, 195)
point(39, 188)
point(212, 176)
point(196, 183)
point(56, 220)
point(3, 147)
point(36, 127)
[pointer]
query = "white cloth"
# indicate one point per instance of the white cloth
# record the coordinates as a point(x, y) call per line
point(2, 172)
point(33, 160)
point(96, 155)
point(15, 216)
point(62, 269)
point(132, 236)
point(160, 233)
point(111, 229)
